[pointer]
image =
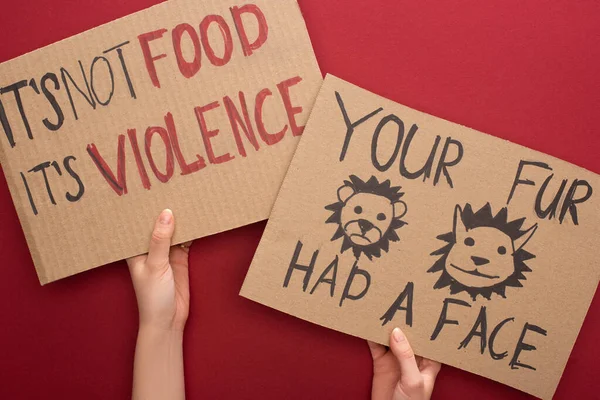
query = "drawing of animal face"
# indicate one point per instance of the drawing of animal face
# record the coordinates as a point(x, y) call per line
point(481, 257)
point(367, 215)
point(484, 253)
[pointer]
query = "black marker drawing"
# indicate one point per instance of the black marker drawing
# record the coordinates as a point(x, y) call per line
point(484, 253)
point(367, 214)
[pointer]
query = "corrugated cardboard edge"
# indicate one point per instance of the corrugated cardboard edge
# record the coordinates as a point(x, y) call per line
point(43, 277)
point(31, 244)
point(333, 77)
point(68, 39)
point(29, 237)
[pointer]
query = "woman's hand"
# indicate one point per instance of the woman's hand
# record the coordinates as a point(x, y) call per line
point(161, 284)
point(398, 374)
point(160, 279)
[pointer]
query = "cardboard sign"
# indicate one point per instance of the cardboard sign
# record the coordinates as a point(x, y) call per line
point(191, 105)
point(483, 251)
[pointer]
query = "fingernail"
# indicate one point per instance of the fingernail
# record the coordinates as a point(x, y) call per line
point(166, 217)
point(398, 335)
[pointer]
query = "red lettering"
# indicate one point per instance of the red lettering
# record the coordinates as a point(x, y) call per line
point(225, 34)
point(132, 134)
point(236, 121)
point(187, 68)
point(263, 28)
point(289, 109)
point(169, 168)
point(268, 138)
point(119, 184)
point(144, 38)
point(208, 134)
point(186, 168)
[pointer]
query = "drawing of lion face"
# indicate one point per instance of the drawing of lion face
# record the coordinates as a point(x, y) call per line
point(481, 257)
point(484, 253)
point(367, 215)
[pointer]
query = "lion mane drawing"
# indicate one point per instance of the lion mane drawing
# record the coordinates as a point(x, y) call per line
point(484, 253)
point(367, 214)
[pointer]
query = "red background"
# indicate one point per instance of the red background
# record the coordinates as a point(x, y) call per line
point(527, 71)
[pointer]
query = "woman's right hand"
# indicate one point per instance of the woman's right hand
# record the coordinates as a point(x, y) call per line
point(400, 375)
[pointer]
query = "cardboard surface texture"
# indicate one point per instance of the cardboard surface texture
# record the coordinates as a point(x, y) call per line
point(483, 251)
point(191, 105)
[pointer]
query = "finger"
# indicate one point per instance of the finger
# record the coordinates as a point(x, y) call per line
point(179, 256)
point(132, 261)
point(410, 376)
point(186, 246)
point(180, 273)
point(430, 367)
point(160, 243)
point(377, 350)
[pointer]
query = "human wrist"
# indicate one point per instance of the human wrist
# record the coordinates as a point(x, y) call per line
point(158, 367)
point(158, 332)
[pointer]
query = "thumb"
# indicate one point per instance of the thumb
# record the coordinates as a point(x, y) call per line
point(160, 243)
point(411, 380)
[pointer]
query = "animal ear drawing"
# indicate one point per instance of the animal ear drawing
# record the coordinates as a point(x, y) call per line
point(459, 229)
point(345, 192)
point(520, 242)
point(400, 209)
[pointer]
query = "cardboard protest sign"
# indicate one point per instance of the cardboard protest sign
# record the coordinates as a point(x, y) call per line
point(483, 251)
point(191, 105)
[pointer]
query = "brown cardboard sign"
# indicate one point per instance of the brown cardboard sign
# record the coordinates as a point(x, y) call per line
point(483, 251)
point(191, 105)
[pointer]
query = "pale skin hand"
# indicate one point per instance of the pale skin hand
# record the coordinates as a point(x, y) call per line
point(400, 375)
point(161, 282)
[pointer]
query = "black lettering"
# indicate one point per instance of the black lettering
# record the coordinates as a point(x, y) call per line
point(522, 346)
point(31, 202)
point(75, 176)
point(518, 179)
point(355, 271)
point(426, 169)
point(407, 294)
point(570, 204)
point(551, 209)
point(56, 167)
point(350, 125)
point(443, 316)
point(87, 96)
point(482, 333)
point(52, 100)
point(493, 354)
point(119, 51)
point(112, 80)
point(443, 164)
point(6, 126)
point(308, 269)
point(42, 167)
point(375, 141)
point(33, 85)
point(15, 88)
point(330, 281)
